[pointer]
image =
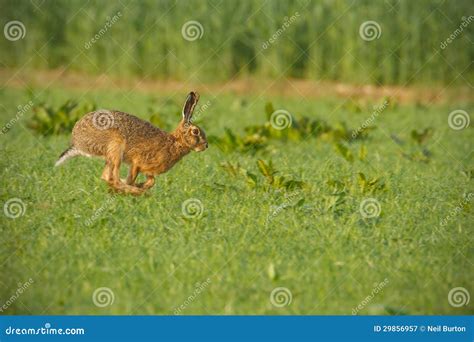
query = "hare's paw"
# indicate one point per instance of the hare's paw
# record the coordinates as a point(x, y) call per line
point(150, 181)
point(134, 190)
point(125, 189)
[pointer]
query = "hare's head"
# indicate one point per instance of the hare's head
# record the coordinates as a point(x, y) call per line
point(191, 135)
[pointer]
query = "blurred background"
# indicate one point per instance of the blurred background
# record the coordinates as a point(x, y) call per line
point(317, 40)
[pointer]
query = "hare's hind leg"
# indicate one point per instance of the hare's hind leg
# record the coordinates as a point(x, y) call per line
point(114, 159)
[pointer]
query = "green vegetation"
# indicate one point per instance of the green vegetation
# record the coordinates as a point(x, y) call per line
point(286, 215)
point(309, 39)
point(47, 120)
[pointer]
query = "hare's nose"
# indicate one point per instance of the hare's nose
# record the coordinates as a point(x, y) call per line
point(207, 145)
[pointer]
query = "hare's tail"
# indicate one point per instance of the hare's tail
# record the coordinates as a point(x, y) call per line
point(69, 153)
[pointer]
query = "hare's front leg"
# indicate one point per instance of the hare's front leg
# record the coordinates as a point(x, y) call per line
point(132, 174)
point(107, 173)
point(150, 181)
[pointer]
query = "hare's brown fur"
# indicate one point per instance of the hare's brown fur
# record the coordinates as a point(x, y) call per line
point(120, 137)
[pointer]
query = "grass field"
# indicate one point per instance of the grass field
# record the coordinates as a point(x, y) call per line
point(73, 236)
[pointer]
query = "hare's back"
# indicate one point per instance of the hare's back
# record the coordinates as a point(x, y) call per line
point(108, 122)
point(132, 127)
point(96, 131)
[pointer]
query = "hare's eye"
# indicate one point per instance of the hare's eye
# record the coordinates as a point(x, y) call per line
point(195, 131)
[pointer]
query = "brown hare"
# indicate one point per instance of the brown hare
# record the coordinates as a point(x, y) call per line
point(120, 137)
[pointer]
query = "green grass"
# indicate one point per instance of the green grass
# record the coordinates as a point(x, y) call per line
point(322, 250)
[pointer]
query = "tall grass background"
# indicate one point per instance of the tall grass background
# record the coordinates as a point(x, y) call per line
point(323, 43)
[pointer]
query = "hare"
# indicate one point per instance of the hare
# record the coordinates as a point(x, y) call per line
point(120, 137)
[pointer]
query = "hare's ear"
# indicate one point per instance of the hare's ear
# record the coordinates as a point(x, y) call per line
point(189, 105)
